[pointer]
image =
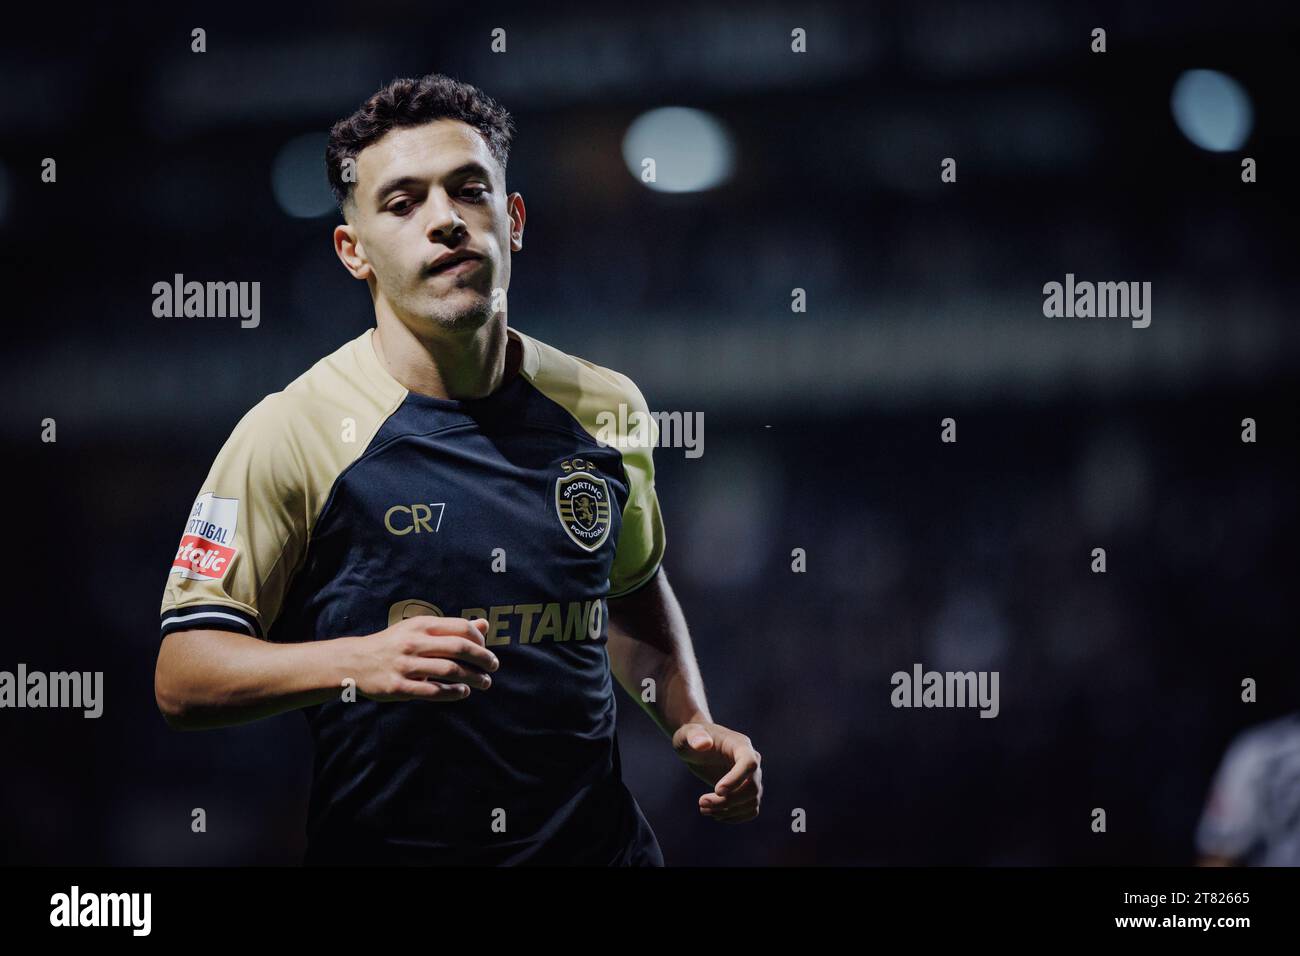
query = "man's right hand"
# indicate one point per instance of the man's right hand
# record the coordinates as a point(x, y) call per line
point(424, 658)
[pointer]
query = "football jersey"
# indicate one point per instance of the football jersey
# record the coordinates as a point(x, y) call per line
point(346, 503)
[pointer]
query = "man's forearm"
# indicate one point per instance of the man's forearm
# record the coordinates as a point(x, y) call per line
point(679, 692)
point(648, 638)
point(209, 679)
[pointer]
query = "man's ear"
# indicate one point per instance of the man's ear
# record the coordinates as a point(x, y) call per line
point(517, 212)
point(347, 246)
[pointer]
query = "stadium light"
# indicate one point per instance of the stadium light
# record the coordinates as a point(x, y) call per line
point(676, 149)
point(1212, 110)
point(298, 178)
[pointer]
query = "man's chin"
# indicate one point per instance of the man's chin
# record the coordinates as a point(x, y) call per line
point(451, 314)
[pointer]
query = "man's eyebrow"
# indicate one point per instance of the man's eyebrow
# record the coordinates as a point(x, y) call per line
point(400, 182)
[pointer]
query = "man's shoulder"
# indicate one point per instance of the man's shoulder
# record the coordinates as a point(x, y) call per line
point(348, 377)
point(321, 422)
point(577, 380)
point(338, 389)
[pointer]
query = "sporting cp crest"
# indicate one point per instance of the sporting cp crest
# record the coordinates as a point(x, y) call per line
point(582, 502)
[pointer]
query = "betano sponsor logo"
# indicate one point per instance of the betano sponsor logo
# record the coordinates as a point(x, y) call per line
point(558, 621)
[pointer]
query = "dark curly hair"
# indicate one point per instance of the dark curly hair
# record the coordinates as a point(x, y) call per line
point(413, 102)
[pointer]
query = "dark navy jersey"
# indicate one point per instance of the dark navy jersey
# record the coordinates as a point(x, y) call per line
point(345, 503)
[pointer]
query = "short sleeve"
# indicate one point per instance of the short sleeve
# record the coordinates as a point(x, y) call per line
point(245, 532)
point(641, 542)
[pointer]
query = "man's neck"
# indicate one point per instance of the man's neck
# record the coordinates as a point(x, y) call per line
point(449, 365)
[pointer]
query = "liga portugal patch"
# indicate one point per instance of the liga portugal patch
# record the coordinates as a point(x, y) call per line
point(207, 547)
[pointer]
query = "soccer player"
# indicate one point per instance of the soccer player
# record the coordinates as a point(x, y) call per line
point(433, 543)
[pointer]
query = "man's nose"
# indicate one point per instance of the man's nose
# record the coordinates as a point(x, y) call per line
point(445, 223)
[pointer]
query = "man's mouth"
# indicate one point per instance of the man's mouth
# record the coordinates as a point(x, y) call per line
point(456, 265)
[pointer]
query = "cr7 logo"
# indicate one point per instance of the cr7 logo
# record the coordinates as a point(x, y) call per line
point(403, 519)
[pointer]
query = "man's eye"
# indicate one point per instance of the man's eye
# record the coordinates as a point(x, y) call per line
point(401, 207)
point(475, 192)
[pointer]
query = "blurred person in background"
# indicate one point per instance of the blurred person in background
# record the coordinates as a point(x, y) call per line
point(1252, 817)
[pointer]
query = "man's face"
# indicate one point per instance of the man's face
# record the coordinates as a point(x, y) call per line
point(422, 193)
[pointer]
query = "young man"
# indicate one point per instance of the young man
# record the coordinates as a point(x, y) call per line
point(416, 542)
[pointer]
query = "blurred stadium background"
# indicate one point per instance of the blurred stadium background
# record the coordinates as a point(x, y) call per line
point(818, 171)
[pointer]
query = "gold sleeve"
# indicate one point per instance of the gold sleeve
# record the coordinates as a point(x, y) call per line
point(611, 408)
point(250, 526)
point(641, 542)
point(246, 532)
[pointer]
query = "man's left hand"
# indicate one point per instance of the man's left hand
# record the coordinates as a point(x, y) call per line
point(726, 759)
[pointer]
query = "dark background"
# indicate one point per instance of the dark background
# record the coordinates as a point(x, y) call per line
point(821, 428)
